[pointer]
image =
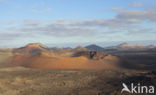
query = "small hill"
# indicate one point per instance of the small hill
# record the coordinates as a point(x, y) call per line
point(150, 46)
point(6, 49)
point(80, 48)
point(94, 48)
point(32, 48)
point(127, 46)
point(48, 61)
point(57, 48)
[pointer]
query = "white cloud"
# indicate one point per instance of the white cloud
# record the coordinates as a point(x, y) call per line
point(136, 5)
point(40, 8)
point(45, 10)
point(32, 22)
point(11, 14)
point(122, 19)
point(57, 28)
point(126, 21)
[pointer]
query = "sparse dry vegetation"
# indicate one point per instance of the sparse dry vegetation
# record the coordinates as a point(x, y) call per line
point(25, 81)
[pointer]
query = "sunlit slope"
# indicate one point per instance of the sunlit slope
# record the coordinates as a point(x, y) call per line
point(48, 61)
point(38, 56)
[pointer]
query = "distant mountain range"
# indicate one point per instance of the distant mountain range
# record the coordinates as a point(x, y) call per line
point(121, 47)
point(38, 47)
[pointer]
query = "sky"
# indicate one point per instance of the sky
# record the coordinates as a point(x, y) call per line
point(68, 22)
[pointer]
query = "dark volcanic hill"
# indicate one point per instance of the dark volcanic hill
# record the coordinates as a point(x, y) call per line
point(94, 48)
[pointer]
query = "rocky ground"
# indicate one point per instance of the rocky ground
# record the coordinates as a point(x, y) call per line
point(25, 81)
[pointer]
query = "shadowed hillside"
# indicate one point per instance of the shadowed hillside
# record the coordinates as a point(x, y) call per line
point(36, 55)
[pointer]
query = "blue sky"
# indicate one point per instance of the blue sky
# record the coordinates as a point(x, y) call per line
point(57, 22)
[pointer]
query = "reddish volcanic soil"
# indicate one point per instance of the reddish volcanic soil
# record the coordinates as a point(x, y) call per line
point(48, 61)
